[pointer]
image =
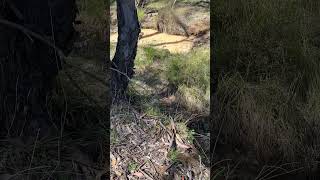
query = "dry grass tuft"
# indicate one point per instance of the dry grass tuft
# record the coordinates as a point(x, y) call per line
point(268, 89)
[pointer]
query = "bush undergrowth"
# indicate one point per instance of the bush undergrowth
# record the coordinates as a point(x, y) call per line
point(188, 73)
point(269, 86)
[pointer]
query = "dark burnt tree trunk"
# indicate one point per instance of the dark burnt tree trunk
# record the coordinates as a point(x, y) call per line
point(214, 74)
point(128, 34)
point(28, 66)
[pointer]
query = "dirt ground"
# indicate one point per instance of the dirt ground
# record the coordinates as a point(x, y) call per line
point(195, 18)
point(173, 43)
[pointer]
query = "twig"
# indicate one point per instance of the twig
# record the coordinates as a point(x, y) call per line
point(29, 169)
point(200, 164)
point(217, 138)
point(154, 167)
point(65, 100)
point(34, 148)
point(146, 175)
point(298, 169)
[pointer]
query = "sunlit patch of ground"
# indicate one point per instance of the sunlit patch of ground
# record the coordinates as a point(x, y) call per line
point(153, 38)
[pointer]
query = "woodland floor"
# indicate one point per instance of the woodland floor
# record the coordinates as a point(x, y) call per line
point(144, 129)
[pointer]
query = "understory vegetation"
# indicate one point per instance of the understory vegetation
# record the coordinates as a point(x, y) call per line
point(167, 88)
point(75, 145)
point(187, 74)
point(167, 99)
point(268, 58)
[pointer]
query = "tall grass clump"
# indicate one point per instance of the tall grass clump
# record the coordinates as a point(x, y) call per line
point(268, 59)
point(146, 56)
point(141, 14)
point(92, 8)
point(92, 14)
point(190, 74)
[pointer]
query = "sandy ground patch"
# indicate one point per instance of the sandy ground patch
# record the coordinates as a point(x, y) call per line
point(153, 38)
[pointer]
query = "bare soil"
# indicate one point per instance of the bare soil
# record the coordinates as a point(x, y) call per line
point(173, 43)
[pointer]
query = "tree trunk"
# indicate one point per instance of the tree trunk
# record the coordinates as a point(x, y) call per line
point(214, 74)
point(28, 66)
point(128, 34)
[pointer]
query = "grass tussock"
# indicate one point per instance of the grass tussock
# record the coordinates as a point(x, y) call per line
point(187, 74)
point(92, 14)
point(141, 14)
point(269, 85)
point(71, 150)
point(190, 74)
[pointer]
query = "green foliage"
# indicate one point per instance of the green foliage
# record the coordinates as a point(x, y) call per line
point(132, 166)
point(142, 60)
point(148, 55)
point(192, 69)
point(153, 111)
point(93, 8)
point(113, 136)
point(157, 4)
point(185, 132)
point(189, 73)
point(173, 155)
point(92, 14)
point(156, 54)
point(141, 14)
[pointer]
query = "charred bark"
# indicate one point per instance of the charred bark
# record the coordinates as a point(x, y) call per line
point(128, 34)
point(29, 66)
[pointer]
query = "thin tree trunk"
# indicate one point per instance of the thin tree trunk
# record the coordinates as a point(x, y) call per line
point(128, 34)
